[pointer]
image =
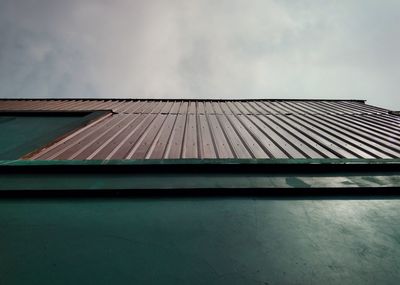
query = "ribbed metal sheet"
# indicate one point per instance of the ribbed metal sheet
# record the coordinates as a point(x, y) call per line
point(162, 129)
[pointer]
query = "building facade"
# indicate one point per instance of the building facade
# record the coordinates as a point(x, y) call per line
point(198, 192)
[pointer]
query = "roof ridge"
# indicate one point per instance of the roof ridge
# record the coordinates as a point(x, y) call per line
point(179, 99)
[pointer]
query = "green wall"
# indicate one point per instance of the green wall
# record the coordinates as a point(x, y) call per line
point(23, 133)
point(200, 241)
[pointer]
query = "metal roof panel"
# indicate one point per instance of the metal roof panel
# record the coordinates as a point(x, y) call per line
point(201, 129)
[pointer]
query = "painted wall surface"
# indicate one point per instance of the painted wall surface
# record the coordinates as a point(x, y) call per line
point(200, 241)
point(23, 134)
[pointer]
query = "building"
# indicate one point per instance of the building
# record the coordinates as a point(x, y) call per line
point(199, 192)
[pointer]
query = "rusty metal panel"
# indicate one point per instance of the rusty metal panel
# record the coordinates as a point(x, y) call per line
point(175, 144)
point(141, 148)
point(128, 143)
point(314, 135)
point(206, 143)
point(183, 108)
point(222, 147)
point(253, 145)
point(200, 108)
point(234, 140)
point(271, 148)
point(161, 141)
point(334, 136)
point(54, 151)
point(216, 108)
point(163, 129)
point(175, 107)
point(192, 108)
point(280, 138)
point(208, 108)
point(125, 127)
point(190, 146)
point(102, 139)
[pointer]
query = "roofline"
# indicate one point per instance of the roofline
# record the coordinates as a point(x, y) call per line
point(189, 161)
point(228, 177)
point(180, 99)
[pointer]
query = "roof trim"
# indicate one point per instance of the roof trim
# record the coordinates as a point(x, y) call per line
point(228, 177)
point(180, 99)
point(181, 161)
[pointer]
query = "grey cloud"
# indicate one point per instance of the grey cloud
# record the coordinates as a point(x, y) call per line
point(201, 49)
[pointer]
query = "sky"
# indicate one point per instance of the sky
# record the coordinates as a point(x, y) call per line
point(205, 49)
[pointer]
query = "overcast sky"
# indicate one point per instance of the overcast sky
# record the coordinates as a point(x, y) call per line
point(201, 49)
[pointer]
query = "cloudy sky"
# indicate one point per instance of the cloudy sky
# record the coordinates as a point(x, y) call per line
point(201, 49)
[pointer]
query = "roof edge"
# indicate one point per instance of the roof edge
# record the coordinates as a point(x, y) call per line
point(142, 162)
point(231, 177)
point(180, 99)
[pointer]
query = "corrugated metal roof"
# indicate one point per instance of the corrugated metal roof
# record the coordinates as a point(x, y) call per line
point(164, 129)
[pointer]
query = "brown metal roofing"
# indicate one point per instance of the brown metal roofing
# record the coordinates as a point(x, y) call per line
point(164, 129)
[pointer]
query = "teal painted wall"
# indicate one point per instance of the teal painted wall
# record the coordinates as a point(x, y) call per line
point(199, 241)
point(20, 135)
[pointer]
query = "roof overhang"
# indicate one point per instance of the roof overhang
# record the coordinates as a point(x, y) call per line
point(200, 177)
point(180, 99)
